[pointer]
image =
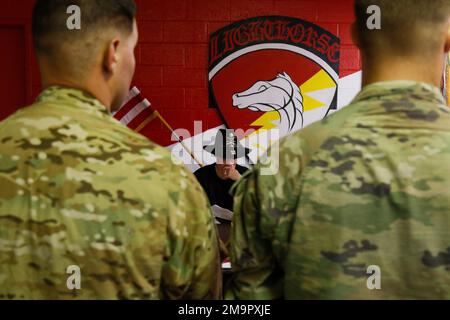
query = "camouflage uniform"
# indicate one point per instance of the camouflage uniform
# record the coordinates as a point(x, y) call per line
point(78, 188)
point(370, 185)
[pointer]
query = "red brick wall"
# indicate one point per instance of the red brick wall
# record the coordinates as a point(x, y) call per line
point(173, 49)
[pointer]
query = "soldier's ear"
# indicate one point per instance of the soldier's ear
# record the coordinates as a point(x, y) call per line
point(447, 38)
point(111, 56)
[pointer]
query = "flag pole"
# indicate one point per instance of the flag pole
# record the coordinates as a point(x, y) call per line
point(160, 117)
point(135, 92)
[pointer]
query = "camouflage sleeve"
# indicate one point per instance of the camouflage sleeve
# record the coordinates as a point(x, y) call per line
point(193, 269)
point(264, 208)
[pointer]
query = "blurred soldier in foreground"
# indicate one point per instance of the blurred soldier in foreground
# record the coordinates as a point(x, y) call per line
point(79, 190)
point(360, 207)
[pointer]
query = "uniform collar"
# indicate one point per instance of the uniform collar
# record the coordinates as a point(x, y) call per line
point(413, 89)
point(79, 98)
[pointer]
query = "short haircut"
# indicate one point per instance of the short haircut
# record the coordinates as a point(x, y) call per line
point(407, 26)
point(98, 17)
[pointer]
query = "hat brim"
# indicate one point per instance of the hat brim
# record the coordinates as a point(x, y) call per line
point(212, 149)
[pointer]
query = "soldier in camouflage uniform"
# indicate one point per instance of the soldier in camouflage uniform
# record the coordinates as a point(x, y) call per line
point(77, 188)
point(360, 206)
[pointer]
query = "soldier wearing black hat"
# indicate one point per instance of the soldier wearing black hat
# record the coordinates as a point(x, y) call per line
point(218, 178)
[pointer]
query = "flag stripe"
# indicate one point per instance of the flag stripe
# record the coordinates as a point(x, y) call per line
point(133, 93)
point(128, 106)
point(135, 111)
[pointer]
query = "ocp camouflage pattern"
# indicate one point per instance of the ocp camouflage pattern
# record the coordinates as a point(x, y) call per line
point(367, 186)
point(79, 188)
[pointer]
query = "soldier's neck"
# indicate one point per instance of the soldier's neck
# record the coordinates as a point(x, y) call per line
point(428, 71)
point(97, 89)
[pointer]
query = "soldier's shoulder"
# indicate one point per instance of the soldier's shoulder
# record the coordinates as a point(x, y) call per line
point(127, 136)
point(156, 159)
point(308, 139)
point(24, 112)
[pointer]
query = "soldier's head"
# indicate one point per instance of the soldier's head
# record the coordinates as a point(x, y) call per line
point(409, 30)
point(88, 44)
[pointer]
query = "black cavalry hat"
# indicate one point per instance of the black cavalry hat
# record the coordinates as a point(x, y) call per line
point(227, 146)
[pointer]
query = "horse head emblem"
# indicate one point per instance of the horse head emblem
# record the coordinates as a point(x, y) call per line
point(281, 95)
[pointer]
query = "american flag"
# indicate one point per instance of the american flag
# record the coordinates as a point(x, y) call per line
point(136, 112)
